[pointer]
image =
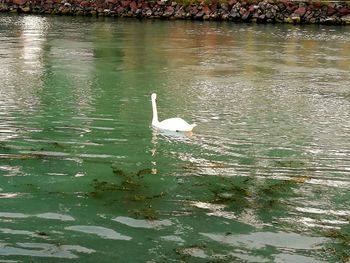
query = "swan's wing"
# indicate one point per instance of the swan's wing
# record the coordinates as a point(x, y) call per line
point(175, 124)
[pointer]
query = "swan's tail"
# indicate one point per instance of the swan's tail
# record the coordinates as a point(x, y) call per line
point(192, 126)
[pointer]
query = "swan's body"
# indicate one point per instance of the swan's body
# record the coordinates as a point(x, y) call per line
point(172, 124)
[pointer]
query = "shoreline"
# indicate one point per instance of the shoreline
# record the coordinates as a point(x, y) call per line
point(252, 11)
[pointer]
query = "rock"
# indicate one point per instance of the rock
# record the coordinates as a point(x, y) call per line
point(180, 13)
point(206, 10)
point(330, 20)
point(138, 12)
point(296, 19)
point(344, 10)
point(213, 8)
point(19, 2)
point(330, 11)
point(193, 10)
point(161, 2)
point(125, 3)
point(199, 15)
point(300, 11)
point(120, 10)
point(169, 11)
point(65, 11)
point(85, 3)
point(262, 18)
point(312, 20)
point(25, 9)
point(133, 6)
point(234, 14)
point(214, 16)
point(242, 11)
point(224, 6)
point(252, 8)
point(225, 16)
point(246, 16)
point(269, 15)
point(281, 6)
point(346, 19)
point(232, 2)
point(236, 7)
point(149, 12)
point(288, 20)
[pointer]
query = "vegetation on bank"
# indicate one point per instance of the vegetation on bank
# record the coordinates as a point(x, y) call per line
point(265, 11)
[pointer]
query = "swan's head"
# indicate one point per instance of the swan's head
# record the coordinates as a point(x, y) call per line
point(153, 96)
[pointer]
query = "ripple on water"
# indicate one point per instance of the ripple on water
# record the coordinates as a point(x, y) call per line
point(102, 232)
point(43, 250)
point(142, 223)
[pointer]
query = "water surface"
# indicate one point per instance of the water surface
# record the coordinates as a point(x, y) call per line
point(265, 176)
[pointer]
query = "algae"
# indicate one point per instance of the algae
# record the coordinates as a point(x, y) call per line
point(146, 213)
point(127, 182)
point(142, 198)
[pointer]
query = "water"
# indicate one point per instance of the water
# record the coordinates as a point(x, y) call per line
point(265, 176)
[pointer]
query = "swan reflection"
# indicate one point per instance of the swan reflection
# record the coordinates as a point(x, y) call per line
point(168, 136)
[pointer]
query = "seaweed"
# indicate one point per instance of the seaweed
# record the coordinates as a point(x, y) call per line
point(118, 172)
point(141, 198)
point(229, 191)
point(338, 235)
point(129, 182)
point(104, 186)
point(100, 188)
point(282, 186)
point(143, 172)
point(147, 213)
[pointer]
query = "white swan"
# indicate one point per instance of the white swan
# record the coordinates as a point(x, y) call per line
point(172, 124)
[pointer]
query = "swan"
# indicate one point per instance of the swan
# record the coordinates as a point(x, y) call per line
point(172, 124)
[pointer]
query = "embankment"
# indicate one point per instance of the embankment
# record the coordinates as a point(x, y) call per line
point(266, 11)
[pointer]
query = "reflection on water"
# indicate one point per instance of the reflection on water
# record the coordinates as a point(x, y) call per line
point(41, 250)
point(263, 178)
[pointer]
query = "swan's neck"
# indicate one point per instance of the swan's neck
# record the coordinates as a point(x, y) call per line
point(155, 113)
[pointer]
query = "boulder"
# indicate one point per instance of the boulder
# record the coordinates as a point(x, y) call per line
point(133, 6)
point(85, 3)
point(245, 16)
point(232, 2)
point(206, 10)
point(300, 11)
point(169, 11)
point(19, 2)
point(199, 15)
point(193, 10)
point(224, 6)
point(147, 12)
point(344, 10)
point(346, 19)
point(125, 3)
point(26, 9)
point(120, 10)
point(331, 11)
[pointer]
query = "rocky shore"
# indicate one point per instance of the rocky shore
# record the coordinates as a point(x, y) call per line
point(264, 11)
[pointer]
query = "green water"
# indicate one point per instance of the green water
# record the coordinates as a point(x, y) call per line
point(265, 176)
